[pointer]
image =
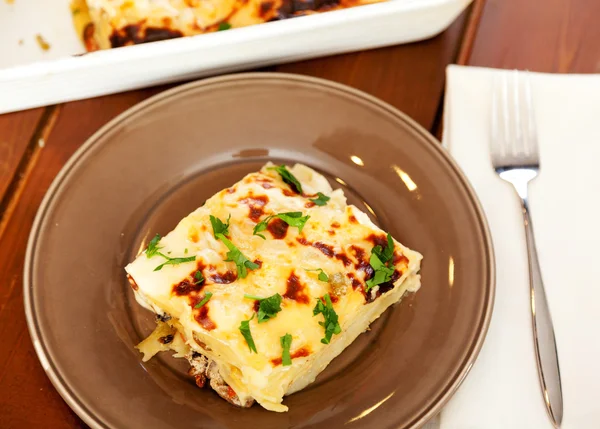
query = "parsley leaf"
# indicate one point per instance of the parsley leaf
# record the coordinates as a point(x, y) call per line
point(330, 322)
point(220, 230)
point(387, 253)
point(261, 226)
point(206, 298)
point(268, 307)
point(153, 247)
point(321, 200)
point(379, 260)
point(173, 261)
point(218, 226)
point(153, 250)
point(242, 263)
point(199, 277)
point(286, 343)
point(245, 330)
point(224, 26)
point(248, 296)
point(294, 219)
point(288, 177)
point(322, 274)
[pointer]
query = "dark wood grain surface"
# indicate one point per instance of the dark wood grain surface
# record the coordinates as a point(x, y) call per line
point(561, 36)
point(542, 35)
point(16, 132)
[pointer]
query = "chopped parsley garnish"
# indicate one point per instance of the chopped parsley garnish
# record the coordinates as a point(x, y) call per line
point(294, 219)
point(385, 254)
point(153, 250)
point(153, 247)
point(245, 330)
point(261, 226)
point(321, 200)
point(206, 298)
point(268, 307)
point(185, 251)
point(242, 263)
point(288, 177)
point(173, 261)
point(224, 26)
point(199, 277)
point(248, 296)
point(218, 226)
point(322, 274)
point(286, 343)
point(330, 323)
point(379, 260)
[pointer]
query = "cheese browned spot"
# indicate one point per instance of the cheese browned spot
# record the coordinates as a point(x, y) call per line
point(295, 290)
point(377, 240)
point(355, 282)
point(265, 8)
point(343, 258)
point(134, 34)
point(224, 278)
point(201, 314)
point(326, 249)
point(88, 38)
point(132, 282)
point(399, 259)
point(186, 287)
point(278, 228)
point(193, 234)
point(256, 205)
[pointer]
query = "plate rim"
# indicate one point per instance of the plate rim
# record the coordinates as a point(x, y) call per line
point(62, 387)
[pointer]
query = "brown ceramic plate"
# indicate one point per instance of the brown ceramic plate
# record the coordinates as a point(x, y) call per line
point(157, 162)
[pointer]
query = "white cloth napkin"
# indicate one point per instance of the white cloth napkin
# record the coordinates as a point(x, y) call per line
point(502, 389)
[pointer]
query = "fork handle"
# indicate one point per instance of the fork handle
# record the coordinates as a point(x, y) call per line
point(543, 329)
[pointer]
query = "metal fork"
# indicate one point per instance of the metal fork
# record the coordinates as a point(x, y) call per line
point(515, 157)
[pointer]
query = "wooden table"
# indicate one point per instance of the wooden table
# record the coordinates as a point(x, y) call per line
point(539, 35)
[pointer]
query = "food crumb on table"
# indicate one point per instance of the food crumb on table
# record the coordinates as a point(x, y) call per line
point(42, 42)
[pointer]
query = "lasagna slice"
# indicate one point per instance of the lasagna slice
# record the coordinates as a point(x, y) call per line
point(267, 282)
point(115, 23)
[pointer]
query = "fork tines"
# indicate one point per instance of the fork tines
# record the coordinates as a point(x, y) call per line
point(514, 139)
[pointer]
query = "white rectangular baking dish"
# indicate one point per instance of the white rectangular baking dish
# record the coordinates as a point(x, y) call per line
point(31, 77)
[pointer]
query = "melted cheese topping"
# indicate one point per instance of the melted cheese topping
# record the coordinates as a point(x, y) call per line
point(126, 22)
point(337, 238)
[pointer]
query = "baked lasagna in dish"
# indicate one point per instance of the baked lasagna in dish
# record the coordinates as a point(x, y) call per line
point(267, 282)
point(114, 23)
